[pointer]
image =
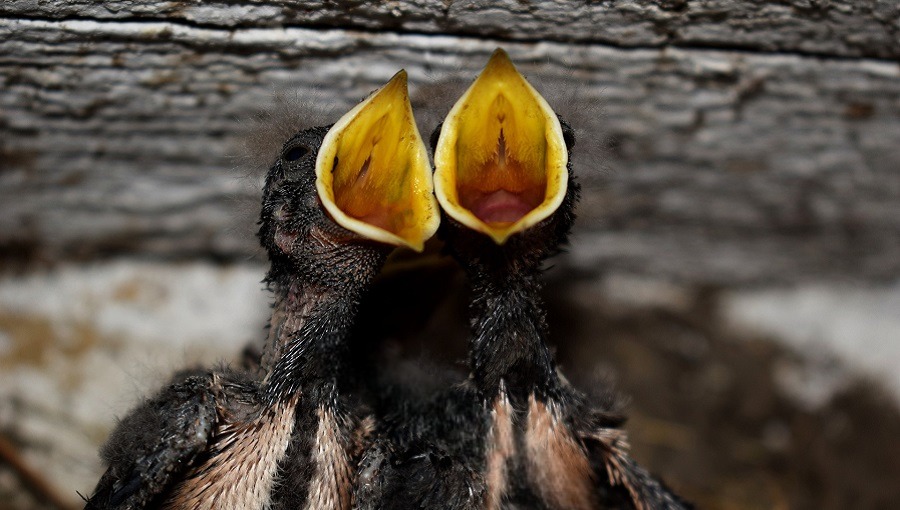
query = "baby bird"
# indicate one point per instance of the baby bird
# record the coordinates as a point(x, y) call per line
point(516, 434)
point(335, 203)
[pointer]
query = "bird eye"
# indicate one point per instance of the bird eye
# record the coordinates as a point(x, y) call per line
point(295, 153)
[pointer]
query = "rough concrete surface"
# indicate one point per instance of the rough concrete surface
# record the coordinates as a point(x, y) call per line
point(79, 346)
point(718, 407)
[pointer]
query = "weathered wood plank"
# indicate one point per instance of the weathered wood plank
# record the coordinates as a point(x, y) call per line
point(869, 28)
point(723, 167)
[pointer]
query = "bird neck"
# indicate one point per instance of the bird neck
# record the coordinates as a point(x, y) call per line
point(295, 300)
point(508, 347)
point(311, 321)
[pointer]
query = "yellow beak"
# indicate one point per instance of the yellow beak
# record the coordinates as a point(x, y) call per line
point(501, 157)
point(372, 171)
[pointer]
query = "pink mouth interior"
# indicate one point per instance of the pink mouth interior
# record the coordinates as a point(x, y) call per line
point(500, 206)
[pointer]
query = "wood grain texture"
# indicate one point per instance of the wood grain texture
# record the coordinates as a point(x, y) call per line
point(119, 130)
point(837, 27)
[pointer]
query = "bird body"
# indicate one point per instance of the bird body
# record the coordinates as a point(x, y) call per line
point(243, 474)
point(515, 434)
point(286, 439)
point(295, 434)
point(289, 436)
point(564, 452)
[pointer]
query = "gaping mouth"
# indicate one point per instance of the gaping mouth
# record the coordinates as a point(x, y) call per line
point(372, 171)
point(501, 157)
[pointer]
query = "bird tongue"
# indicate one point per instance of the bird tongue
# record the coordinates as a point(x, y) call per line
point(500, 207)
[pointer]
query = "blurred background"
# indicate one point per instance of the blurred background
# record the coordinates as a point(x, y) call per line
point(735, 270)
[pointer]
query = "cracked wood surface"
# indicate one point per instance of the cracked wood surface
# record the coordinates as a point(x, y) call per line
point(868, 28)
point(118, 129)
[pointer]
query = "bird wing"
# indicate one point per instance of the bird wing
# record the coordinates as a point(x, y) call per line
point(608, 449)
point(156, 444)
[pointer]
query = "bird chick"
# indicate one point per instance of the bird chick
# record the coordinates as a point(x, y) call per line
point(504, 179)
point(336, 202)
point(516, 434)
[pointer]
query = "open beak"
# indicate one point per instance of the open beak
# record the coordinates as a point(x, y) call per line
point(372, 171)
point(501, 157)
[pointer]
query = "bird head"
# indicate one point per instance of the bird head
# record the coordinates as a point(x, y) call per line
point(502, 171)
point(339, 196)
